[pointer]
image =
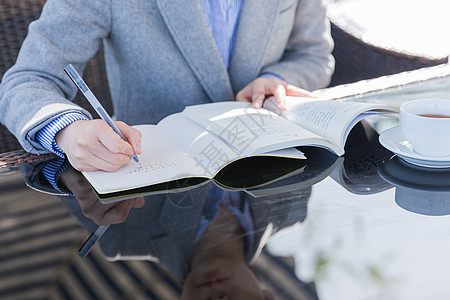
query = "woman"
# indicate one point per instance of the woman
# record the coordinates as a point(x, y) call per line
point(160, 57)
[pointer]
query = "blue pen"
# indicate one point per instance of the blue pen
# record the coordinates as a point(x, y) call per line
point(90, 242)
point(82, 86)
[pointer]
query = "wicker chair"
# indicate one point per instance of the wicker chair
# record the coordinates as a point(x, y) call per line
point(15, 16)
point(357, 59)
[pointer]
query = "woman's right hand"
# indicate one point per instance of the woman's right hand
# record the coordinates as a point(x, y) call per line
point(93, 145)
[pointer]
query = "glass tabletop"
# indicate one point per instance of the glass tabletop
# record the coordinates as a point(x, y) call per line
point(366, 225)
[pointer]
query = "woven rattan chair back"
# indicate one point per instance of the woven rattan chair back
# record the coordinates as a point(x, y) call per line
point(358, 60)
point(15, 16)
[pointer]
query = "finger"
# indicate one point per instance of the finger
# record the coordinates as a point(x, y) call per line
point(85, 197)
point(118, 213)
point(97, 157)
point(257, 100)
point(132, 135)
point(280, 96)
point(110, 162)
point(106, 214)
point(97, 163)
point(91, 207)
point(292, 90)
point(258, 93)
point(112, 141)
point(102, 157)
point(138, 202)
point(244, 95)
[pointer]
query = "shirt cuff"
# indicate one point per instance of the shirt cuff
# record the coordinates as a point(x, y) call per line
point(46, 136)
point(52, 171)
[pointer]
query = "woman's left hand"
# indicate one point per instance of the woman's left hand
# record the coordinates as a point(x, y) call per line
point(257, 90)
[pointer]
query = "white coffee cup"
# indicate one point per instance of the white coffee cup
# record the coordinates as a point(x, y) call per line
point(426, 126)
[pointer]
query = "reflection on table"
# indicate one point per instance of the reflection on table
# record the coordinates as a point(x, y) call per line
point(421, 190)
point(209, 238)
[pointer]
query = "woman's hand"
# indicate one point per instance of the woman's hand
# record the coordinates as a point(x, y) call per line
point(93, 145)
point(257, 90)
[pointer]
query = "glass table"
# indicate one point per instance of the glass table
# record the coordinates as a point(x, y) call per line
point(366, 225)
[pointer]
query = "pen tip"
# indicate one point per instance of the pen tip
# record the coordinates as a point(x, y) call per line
point(136, 159)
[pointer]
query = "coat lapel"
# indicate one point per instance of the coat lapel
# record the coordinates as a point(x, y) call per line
point(188, 27)
point(256, 23)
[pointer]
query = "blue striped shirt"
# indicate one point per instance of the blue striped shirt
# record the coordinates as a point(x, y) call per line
point(222, 17)
point(52, 171)
point(46, 136)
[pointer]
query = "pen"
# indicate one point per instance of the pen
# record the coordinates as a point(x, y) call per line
point(82, 86)
point(90, 242)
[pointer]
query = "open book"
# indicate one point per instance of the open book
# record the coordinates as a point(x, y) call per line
point(221, 140)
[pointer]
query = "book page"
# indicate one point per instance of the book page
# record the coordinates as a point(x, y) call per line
point(252, 131)
point(331, 119)
point(161, 160)
point(206, 149)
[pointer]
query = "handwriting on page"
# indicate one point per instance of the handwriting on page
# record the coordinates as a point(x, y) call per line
point(152, 167)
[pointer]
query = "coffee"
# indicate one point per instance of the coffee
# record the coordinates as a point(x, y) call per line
point(434, 116)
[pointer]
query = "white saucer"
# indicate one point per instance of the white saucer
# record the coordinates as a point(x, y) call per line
point(394, 140)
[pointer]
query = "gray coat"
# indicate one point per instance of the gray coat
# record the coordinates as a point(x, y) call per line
point(160, 56)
